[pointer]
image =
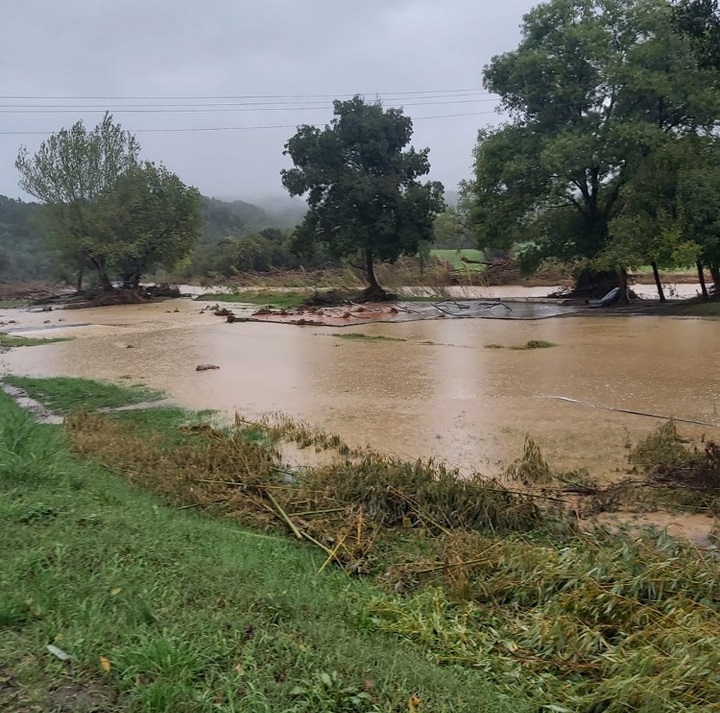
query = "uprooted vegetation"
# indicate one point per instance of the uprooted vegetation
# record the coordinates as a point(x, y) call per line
point(489, 577)
point(478, 574)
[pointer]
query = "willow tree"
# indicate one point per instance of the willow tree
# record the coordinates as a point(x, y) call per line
point(360, 176)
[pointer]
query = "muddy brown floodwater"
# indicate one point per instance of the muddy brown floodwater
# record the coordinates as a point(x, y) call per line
point(438, 393)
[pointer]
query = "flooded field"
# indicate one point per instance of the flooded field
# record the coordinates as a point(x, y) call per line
point(429, 388)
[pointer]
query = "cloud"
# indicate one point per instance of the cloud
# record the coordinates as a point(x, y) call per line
point(291, 50)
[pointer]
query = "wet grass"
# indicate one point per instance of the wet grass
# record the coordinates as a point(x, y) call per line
point(263, 298)
point(454, 257)
point(163, 610)
point(532, 344)
point(10, 340)
point(699, 309)
point(63, 394)
point(496, 585)
point(13, 303)
point(359, 336)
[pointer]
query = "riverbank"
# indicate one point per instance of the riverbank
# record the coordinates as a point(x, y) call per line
point(409, 591)
point(160, 609)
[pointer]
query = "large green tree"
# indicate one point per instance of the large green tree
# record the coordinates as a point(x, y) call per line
point(72, 170)
point(700, 21)
point(361, 180)
point(150, 219)
point(592, 88)
point(106, 210)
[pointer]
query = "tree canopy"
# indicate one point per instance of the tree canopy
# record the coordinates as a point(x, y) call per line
point(594, 87)
point(105, 209)
point(700, 21)
point(361, 180)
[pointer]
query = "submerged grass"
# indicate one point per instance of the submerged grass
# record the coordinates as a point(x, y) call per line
point(11, 340)
point(532, 344)
point(262, 298)
point(161, 610)
point(63, 394)
point(359, 336)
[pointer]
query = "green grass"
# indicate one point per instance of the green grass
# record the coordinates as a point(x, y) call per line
point(454, 258)
point(9, 340)
point(63, 394)
point(698, 309)
point(359, 336)
point(190, 614)
point(13, 303)
point(279, 300)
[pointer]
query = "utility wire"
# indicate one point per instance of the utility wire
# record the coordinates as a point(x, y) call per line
point(239, 128)
point(67, 97)
point(212, 110)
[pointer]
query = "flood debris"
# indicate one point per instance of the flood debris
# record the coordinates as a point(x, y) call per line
point(490, 578)
point(206, 367)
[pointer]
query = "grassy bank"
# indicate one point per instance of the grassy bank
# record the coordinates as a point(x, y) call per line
point(162, 610)
point(473, 595)
point(63, 394)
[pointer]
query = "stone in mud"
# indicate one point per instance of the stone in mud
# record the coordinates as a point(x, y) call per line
point(206, 367)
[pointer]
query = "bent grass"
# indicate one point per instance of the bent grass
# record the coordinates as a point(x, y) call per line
point(164, 610)
point(495, 586)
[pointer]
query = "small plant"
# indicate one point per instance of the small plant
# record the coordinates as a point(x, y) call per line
point(531, 468)
point(662, 447)
point(326, 693)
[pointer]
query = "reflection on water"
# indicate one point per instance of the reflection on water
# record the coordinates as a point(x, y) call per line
point(451, 398)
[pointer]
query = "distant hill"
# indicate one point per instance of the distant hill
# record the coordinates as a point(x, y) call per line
point(236, 218)
point(222, 219)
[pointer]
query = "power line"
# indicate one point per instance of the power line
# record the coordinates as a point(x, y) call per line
point(259, 106)
point(239, 128)
point(241, 96)
point(214, 110)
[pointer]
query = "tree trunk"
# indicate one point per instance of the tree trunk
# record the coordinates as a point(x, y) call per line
point(79, 280)
point(701, 278)
point(715, 272)
point(658, 284)
point(105, 282)
point(370, 271)
point(373, 292)
point(623, 284)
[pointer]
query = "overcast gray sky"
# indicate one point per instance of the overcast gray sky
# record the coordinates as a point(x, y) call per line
point(263, 63)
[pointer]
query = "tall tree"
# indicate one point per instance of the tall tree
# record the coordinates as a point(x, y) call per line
point(700, 20)
point(107, 210)
point(150, 218)
point(361, 180)
point(70, 172)
point(650, 227)
point(593, 86)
